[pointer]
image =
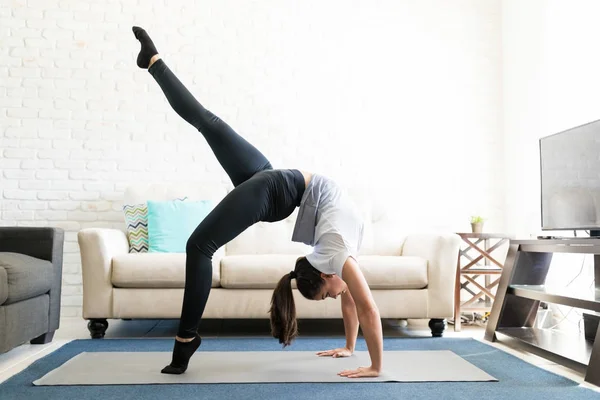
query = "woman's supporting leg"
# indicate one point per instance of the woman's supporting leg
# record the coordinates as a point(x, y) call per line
point(247, 204)
point(238, 157)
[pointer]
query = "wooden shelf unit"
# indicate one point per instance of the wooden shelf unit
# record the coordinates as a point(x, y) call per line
point(522, 287)
point(478, 257)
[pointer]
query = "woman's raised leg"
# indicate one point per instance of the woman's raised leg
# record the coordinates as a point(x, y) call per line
point(240, 159)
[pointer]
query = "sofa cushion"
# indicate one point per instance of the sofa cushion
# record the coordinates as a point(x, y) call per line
point(265, 271)
point(256, 271)
point(155, 270)
point(26, 277)
point(394, 272)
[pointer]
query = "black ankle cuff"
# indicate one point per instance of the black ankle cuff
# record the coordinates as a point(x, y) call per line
point(182, 352)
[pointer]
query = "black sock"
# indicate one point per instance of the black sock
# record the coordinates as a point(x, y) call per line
point(147, 51)
point(182, 352)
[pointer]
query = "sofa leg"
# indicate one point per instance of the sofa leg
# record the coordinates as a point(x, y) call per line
point(437, 327)
point(43, 339)
point(97, 328)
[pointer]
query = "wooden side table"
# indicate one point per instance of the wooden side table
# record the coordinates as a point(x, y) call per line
point(481, 263)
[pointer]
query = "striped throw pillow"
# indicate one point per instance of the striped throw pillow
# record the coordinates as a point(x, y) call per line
point(136, 219)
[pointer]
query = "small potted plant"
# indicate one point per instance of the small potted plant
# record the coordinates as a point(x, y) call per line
point(477, 224)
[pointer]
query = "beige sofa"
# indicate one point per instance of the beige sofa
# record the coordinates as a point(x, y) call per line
point(411, 275)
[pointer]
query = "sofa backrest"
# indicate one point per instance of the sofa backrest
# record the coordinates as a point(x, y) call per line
point(382, 235)
point(268, 238)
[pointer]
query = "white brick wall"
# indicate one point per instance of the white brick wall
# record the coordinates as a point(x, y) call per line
point(404, 94)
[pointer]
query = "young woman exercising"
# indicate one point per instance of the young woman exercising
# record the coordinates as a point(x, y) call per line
point(327, 220)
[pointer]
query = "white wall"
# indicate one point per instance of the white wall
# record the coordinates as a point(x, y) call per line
point(551, 74)
point(550, 83)
point(403, 94)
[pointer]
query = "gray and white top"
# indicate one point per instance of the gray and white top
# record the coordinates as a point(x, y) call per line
point(329, 221)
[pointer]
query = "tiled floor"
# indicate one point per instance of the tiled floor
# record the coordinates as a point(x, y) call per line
point(75, 328)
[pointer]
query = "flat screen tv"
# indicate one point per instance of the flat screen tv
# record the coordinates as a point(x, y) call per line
point(570, 179)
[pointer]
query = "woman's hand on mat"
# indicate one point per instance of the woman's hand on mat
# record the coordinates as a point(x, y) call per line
point(362, 372)
point(335, 353)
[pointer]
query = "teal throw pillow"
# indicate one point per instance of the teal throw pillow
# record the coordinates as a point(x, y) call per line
point(170, 223)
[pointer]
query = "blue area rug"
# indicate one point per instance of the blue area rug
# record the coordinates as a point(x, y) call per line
point(518, 380)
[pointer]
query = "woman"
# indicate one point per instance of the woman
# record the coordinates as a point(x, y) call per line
point(326, 220)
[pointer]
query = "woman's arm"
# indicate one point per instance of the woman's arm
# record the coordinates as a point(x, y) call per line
point(350, 327)
point(368, 317)
point(350, 320)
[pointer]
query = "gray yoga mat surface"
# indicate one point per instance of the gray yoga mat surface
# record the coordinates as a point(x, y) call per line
point(128, 368)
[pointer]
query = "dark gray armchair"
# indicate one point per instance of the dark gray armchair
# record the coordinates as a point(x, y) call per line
point(31, 262)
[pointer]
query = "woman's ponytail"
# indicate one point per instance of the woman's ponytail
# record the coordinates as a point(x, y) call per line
point(283, 311)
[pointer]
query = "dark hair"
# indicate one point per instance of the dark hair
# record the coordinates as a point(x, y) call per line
point(283, 309)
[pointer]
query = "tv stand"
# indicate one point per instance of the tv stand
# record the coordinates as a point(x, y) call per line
point(521, 289)
point(542, 237)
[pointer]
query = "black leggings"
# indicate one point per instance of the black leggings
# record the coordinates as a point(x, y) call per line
point(260, 194)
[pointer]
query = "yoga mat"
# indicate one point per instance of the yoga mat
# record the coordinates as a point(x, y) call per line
point(128, 368)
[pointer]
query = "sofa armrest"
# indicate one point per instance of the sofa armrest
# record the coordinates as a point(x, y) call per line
point(441, 252)
point(98, 246)
point(45, 243)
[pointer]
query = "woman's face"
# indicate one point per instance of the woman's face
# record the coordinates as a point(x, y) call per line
point(333, 287)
